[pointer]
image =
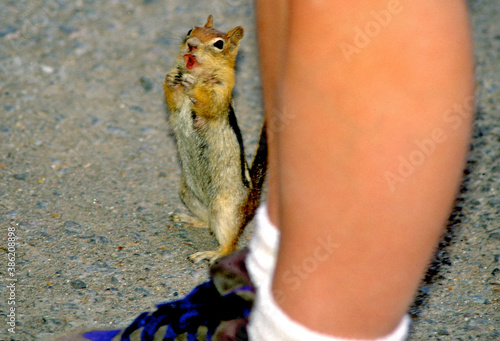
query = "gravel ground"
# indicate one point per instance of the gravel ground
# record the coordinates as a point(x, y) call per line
point(89, 171)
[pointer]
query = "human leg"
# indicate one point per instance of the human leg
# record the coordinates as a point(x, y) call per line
point(336, 179)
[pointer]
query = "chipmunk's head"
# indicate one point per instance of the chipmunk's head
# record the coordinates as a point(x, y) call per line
point(206, 45)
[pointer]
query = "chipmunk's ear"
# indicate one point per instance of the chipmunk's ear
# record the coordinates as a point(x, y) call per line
point(210, 22)
point(234, 36)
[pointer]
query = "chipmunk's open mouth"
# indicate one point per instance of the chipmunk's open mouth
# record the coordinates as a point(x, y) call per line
point(191, 61)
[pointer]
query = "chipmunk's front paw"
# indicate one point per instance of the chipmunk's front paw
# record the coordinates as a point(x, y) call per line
point(211, 256)
point(173, 79)
point(188, 80)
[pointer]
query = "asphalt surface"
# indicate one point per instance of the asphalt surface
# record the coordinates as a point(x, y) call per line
point(89, 170)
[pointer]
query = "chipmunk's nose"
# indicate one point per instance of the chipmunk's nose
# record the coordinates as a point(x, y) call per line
point(193, 44)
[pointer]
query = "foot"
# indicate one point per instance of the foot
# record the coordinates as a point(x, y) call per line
point(187, 80)
point(211, 256)
point(173, 79)
point(188, 220)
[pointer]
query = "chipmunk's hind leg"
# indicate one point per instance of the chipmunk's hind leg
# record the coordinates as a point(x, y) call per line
point(224, 222)
point(196, 207)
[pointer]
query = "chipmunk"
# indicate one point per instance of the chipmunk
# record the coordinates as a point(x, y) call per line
point(217, 185)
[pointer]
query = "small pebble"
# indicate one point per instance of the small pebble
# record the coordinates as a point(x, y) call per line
point(110, 290)
point(136, 108)
point(477, 298)
point(12, 214)
point(99, 240)
point(116, 130)
point(146, 83)
point(47, 69)
point(29, 225)
point(100, 265)
point(42, 205)
point(164, 40)
point(7, 30)
point(494, 236)
point(94, 121)
point(72, 227)
point(146, 131)
point(20, 176)
point(60, 118)
point(143, 291)
point(70, 224)
point(443, 332)
point(68, 29)
point(78, 284)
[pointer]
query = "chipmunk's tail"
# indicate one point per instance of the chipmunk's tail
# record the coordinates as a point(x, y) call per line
point(258, 176)
point(259, 164)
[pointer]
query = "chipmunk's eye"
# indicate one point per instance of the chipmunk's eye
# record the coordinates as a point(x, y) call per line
point(219, 44)
point(189, 32)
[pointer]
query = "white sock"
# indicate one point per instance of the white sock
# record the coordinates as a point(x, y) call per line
point(261, 260)
point(268, 322)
